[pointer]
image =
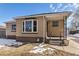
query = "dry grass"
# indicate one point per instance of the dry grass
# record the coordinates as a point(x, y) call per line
point(24, 51)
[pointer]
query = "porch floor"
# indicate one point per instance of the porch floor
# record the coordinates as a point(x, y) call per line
point(56, 38)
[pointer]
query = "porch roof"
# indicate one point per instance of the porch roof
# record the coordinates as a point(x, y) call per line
point(11, 21)
point(2, 27)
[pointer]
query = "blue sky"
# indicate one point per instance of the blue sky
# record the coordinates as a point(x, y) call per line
point(8, 11)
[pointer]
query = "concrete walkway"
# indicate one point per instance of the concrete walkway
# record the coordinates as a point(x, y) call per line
point(73, 47)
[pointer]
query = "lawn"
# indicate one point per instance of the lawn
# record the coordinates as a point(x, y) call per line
point(33, 49)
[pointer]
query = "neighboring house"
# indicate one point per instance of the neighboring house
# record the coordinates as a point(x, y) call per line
point(2, 31)
point(38, 27)
point(11, 29)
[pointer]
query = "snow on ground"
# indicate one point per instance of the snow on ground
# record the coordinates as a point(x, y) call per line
point(9, 42)
point(1, 46)
point(41, 48)
point(76, 35)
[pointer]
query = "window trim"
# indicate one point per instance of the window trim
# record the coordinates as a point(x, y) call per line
point(32, 26)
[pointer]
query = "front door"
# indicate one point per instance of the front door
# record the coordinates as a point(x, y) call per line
point(55, 28)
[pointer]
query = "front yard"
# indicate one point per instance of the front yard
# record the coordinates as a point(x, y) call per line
point(9, 48)
point(33, 49)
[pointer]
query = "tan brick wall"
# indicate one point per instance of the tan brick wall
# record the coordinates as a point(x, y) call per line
point(20, 29)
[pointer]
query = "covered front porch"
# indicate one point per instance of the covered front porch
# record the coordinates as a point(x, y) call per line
point(56, 29)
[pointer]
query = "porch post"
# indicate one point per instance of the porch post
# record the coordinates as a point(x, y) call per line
point(65, 26)
point(44, 29)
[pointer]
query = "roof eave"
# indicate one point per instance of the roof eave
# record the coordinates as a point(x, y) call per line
point(38, 15)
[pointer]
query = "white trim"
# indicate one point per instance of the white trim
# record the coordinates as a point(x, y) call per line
point(55, 38)
point(37, 25)
point(32, 26)
point(23, 25)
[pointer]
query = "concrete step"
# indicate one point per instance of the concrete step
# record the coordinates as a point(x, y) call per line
point(55, 42)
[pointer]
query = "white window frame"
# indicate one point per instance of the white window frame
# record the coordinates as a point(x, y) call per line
point(32, 26)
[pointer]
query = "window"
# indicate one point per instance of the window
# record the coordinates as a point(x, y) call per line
point(13, 27)
point(34, 26)
point(55, 23)
point(30, 26)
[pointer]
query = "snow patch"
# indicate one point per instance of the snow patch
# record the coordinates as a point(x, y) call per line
point(42, 45)
point(77, 35)
point(9, 42)
point(37, 50)
point(1, 46)
point(41, 48)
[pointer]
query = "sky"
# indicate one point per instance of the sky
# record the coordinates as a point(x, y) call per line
point(10, 10)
